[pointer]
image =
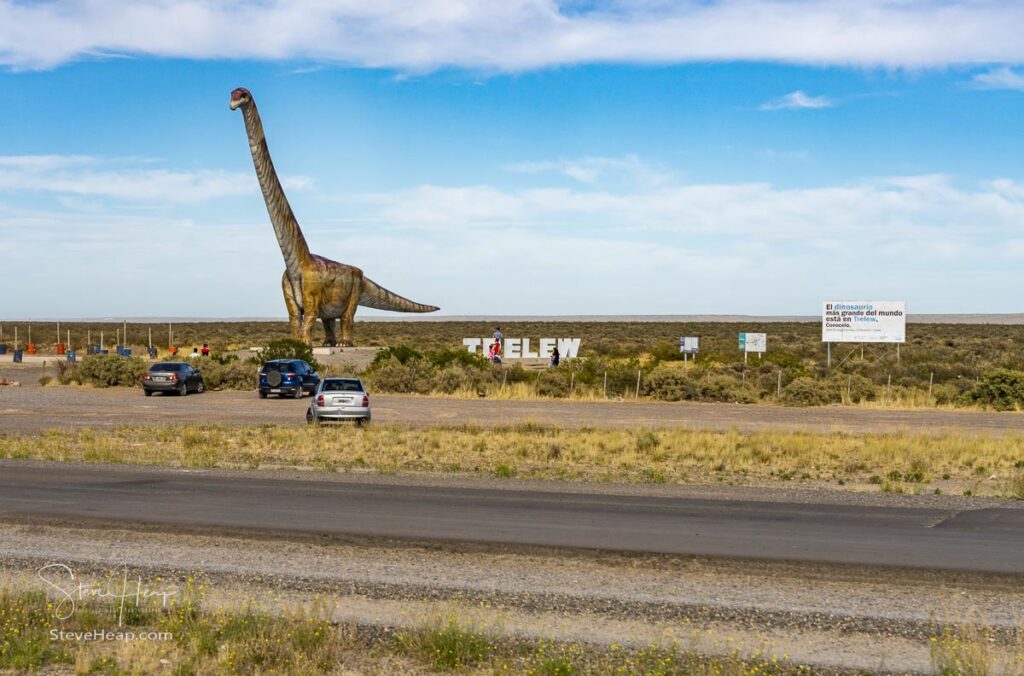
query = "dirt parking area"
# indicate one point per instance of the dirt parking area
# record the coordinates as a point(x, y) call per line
point(30, 408)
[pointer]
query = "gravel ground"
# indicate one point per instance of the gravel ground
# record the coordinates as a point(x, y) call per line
point(822, 615)
point(32, 408)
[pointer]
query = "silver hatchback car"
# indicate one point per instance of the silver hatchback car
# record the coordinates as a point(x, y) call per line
point(339, 399)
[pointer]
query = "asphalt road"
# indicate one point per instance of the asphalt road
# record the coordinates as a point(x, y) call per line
point(31, 408)
point(981, 540)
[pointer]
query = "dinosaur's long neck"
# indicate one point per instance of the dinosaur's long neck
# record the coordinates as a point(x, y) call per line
point(289, 235)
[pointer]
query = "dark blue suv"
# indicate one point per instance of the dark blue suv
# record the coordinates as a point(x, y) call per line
point(287, 377)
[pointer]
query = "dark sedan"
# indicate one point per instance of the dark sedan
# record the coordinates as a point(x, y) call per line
point(172, 376)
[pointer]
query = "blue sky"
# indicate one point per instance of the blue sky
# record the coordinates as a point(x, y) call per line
point(520, 157)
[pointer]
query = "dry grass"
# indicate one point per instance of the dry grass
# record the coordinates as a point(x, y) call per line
point(896, 462)
point(190, 638)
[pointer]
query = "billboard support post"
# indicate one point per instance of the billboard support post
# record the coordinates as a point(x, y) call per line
point(778, 387)
point(829, 354)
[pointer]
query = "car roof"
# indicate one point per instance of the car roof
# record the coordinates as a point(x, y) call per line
point(281, 361)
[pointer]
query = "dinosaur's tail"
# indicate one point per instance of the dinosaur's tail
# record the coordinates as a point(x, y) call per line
point(378, 297)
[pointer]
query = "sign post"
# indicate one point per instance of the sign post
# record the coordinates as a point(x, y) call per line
point(753, 342)
point(688, 345)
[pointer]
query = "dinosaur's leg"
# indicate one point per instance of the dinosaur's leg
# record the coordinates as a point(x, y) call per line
point(294, 312)
point(330, 331)
point(311, 303)
point(348, 316)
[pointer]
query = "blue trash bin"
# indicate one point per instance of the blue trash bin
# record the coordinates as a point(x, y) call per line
point(126, 352)
point(71, 356)
point(103, 351)
point(3, 348)
point(17, 356)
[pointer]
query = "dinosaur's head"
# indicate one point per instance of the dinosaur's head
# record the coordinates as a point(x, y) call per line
point(240, 97)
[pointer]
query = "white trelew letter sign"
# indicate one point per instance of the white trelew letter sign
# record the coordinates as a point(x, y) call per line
point(522, 348)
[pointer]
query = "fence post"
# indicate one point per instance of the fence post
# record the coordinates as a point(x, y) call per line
point(638, 383)
point(778, 387)
point(572, 381)
point(605, 384)
point(931, 381)
point(888, 389)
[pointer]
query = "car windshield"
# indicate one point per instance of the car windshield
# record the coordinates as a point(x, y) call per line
point(339, 385)
point(281, 367)
point(166, 367)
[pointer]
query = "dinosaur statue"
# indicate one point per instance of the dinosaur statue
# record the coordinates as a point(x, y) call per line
point(313, 286)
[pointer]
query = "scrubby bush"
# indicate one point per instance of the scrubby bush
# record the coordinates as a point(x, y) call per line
point(67, 373)
point(454, 378)
point(402, 353)
point(554, 382)
point(287, 348)
point(809, 392)
point(857, 387)
point(669, 382)
point(414, 376)
point(109, 370)
point(226, 374)
point(1001, 389)
point(724, 389)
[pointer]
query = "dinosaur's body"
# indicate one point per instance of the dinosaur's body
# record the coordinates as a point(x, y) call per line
point(314, 286)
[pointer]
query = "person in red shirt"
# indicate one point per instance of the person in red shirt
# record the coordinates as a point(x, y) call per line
point(206, 350)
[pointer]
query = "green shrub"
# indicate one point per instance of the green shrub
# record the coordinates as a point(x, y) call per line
point(226, 374)
point(455, 378)
point(1002, 389)
point(809, 392)
point(402, 353)
point(67, 373)
point(456, 357)
point(287, 348)
point(858, 387)
point(414, 376)
point(110, 370)
point(670, 383)
point(553, 383)
point(724, 389)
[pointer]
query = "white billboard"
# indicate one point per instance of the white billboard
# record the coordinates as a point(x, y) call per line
point(856, 321)
point(753, 342)
point(689, 344)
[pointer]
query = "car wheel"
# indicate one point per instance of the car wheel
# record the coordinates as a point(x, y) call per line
point(184, 390)
point(311, 418)
point(299, 392)
point(149, 393)
point(263, 395)
point(200, 387)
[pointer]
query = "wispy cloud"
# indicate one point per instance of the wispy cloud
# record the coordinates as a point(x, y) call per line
point(999, 78)
point(125, 179)
point(485, 248)
point(797, 100)
point(517, 35)
point(594, 169)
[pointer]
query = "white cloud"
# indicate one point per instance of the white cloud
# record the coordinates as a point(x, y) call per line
point(516, 35)
point(594, 169)
point(999, 78)
point(638, 248)
point(123, 179)
point(798, 100)
point(866, 211)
